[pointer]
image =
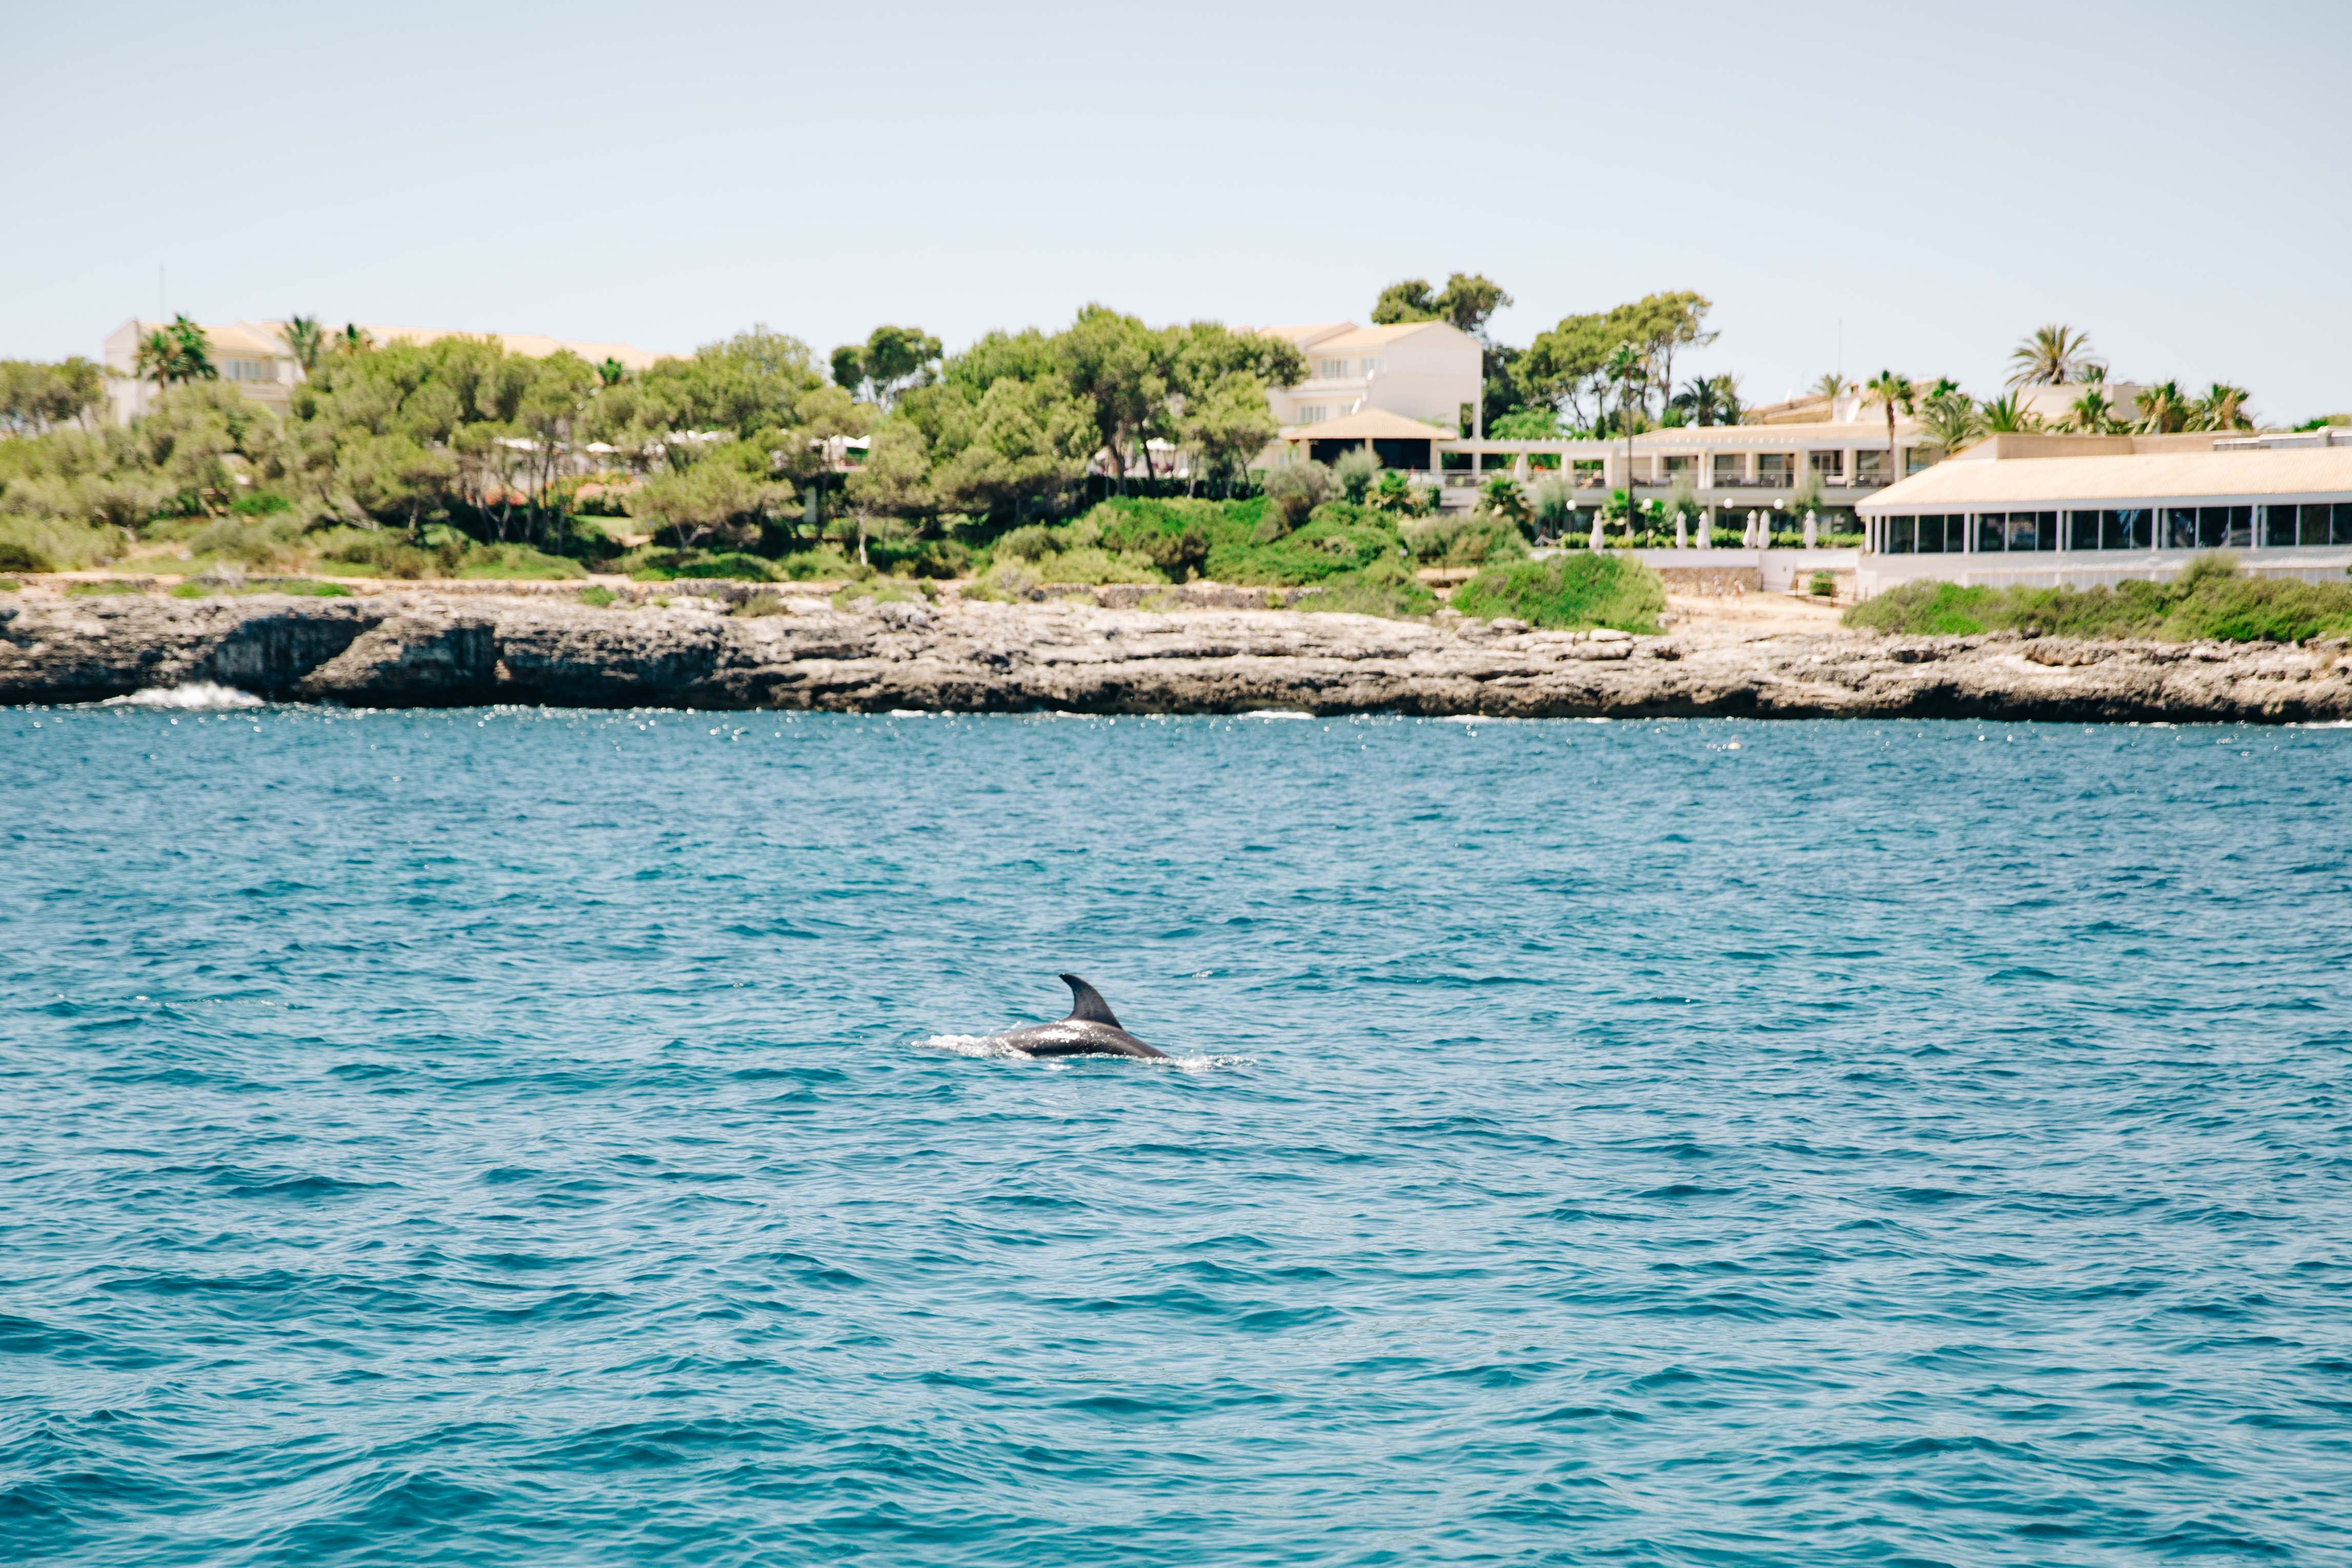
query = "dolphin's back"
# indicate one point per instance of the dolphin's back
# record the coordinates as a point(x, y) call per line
point(1091, 1029)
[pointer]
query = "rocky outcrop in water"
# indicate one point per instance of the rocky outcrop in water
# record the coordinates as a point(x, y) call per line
point(422, 649)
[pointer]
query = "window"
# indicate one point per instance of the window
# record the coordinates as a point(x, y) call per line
point(1776, 467)
point(1992, 533)
point(1313, 413)
point(1919, 459)
point(1902, 533)
point(2315, 523)
point(2082, 530)
point(1375, 364)
point(1870, 467)
point(2130, 528)
point(1730, 467)
point(2021, 530)
point(1679, 466)
point(2224, 528)
point(2342, 535)
point(2179, 527)
point(1331, 369)
point(2278, 525)
point(1829, 465)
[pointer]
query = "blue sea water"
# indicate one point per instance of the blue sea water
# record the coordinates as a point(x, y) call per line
point(514, 1137)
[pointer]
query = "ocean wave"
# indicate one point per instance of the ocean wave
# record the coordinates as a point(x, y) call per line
point(196, 696)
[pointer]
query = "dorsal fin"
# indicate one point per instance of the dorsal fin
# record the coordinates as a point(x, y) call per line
point(1087, 1005)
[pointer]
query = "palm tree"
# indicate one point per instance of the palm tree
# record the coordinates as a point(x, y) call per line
point(2092, 414)
point(612, 372)
point(1624, 370)
point(2004, 416)
point(353, 339)
point(2054, 356)
point(1829, 385)
point(1949, 417)
point(1709, 400)
point(2223, 407)
point(179, 352)
point(2163, 410)
point(305, 339)
point(1890, 391)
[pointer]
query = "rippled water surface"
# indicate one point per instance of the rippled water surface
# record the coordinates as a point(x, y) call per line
point(525, 1138)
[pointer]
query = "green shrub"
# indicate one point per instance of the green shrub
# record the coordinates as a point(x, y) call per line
point(101, 590)
point(596, 596)
point(1387, 586)
point(1292, 492)
point(1465, 538)
point(937, 558)
point(299, 587)
point(260, 504)
point(519, 563)
point(1824, 585)
point(660, 563)
point(10, 585)
point(2209, 601)
point(826, 563)
point(1575, 588)
point(1356, 473)
point(30, 542)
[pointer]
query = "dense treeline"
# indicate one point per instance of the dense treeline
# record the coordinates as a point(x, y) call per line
point(740, 446)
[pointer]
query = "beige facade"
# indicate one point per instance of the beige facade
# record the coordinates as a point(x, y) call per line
point(1424, 371)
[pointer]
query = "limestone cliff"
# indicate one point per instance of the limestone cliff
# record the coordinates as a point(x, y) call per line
point(424, 649)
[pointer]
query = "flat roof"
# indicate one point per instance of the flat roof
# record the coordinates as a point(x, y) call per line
point(2144, 478)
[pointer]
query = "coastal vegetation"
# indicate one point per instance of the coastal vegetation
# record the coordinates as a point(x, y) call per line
point(2210, 601)
point(1573, 590)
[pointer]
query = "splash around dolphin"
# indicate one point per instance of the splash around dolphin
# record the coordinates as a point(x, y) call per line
point(1091, 1029)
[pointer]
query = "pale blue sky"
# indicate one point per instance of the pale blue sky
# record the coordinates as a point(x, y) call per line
point(1942, 179)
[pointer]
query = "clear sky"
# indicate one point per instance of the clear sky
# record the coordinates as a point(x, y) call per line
point(2171, 178)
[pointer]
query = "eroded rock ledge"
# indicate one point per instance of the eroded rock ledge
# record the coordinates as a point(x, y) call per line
point(421, 649)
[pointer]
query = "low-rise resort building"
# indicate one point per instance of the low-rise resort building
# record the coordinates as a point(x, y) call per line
point(2041, 510)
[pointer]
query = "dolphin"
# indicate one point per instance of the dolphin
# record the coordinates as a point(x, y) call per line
point(1091, 1029)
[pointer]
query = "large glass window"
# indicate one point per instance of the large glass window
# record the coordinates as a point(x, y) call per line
point(2276, 525)
point(1776, 467)
point(2342, 532)
point(2180, 527)
point(1902, 534)
point(1730, 467)
point(2045, 530)
point(2082, 530)
point(2237, 527)
point(2314, 530)
point(2021, 530)
point(1870, 467)
point(1829, 465)
point(1991, 539)
point(2131, 528)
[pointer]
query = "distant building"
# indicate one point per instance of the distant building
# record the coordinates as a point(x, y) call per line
point(252, 356)
point(2039, 510)
point(1430, 371)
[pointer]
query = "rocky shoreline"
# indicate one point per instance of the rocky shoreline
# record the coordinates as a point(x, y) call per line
point(1182, 652)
